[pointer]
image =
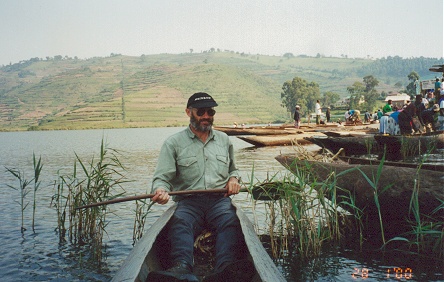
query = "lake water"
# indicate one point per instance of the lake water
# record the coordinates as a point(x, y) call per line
point(38, 255)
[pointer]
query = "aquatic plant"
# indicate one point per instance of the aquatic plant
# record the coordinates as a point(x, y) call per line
point(141, 212)
point(37, 165)
point(306, 220)
point(96, 181)
point(23, 188)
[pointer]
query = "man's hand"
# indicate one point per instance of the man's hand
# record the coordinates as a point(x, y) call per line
point(232, 186)
point(162, 197)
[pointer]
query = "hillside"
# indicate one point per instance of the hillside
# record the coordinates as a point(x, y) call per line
point(151, 90)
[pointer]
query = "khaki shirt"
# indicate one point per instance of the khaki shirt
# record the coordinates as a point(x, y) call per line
point(186, 163)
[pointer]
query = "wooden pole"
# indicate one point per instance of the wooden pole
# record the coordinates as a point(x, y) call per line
point(146, 196)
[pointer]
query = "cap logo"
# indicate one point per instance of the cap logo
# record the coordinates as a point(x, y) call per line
point(202, 98)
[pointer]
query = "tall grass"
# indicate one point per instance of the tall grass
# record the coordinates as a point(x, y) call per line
point(142, 210)
point(427, 233)
point(305, 220)
point(96, 181)
point(37, 164)
point(301, 217)
point(23, 189)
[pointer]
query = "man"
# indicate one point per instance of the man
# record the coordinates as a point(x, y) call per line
point(297, 117)
point(328, 114)
point(318, 112)
point(388, 107)
point(194, 159)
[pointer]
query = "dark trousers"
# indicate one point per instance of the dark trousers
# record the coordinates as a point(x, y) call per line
point(192, 215)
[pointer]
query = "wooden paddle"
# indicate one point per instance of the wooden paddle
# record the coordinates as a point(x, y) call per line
point(147, 196)
point(260, 192)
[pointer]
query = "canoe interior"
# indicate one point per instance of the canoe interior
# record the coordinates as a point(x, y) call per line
point(151, 254)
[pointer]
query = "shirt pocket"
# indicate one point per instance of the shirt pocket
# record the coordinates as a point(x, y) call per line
point(188, 167)
point(222, 165)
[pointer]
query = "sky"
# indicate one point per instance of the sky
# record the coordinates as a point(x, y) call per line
point(90, 28)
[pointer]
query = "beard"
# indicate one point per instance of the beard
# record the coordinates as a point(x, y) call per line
point(197, 124)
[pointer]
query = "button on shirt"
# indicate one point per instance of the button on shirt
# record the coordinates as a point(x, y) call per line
point(186, 163)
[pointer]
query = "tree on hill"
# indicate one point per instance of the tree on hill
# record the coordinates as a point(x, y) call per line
point(300, 92)
point(363, 96)
point(288, 55)
point(330, 98)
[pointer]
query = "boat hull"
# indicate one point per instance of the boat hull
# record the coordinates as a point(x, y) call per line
point(146, 257)
point(396, 186)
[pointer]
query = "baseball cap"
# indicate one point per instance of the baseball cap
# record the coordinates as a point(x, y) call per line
point(201, 100)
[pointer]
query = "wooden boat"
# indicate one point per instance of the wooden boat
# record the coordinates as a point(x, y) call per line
point(352, 145)
point(278, 140)
point(235, 131)
point(348, 133)
point(398, 146)
point(426, 166)
point(395, 188)
point(273, 130)
point(146, 256)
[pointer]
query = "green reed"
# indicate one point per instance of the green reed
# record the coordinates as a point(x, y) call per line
point(301, 217)
point(410, 147)
point(427, 233)
point(142, 210)
point(23, 189)
point(374, 183)
point(96, 181)
point(37, 165)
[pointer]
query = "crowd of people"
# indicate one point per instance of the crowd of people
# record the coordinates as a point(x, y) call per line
point(425, 114)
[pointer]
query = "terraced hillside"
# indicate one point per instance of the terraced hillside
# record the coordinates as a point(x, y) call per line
point(151, 91)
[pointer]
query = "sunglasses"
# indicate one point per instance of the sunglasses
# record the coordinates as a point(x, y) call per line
point(200, 112)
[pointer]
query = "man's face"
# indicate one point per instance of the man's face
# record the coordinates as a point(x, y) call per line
point(201, 119)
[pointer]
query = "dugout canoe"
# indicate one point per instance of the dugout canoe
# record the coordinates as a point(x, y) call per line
point(235, 131)
point(352, 145)
point(363, 161)
point(278, 140)
point(146, 257)
point(395, 188)
point(422, 141)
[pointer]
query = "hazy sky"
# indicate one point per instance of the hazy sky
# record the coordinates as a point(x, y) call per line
point(88, 28)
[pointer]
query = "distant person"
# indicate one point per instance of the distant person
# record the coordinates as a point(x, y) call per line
point(438, 87)
point(442, 88)
point(405, 119)
point(441, 114)
point(328, 114)
point(379, 114)
point(297, 117)
point(430, 97)
point(417, 87)
point(367, 116)
point(318, 112)
point(429, 118)
point(420, 107)
point(355, 116)
point(347, 115)
point(388, 107)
